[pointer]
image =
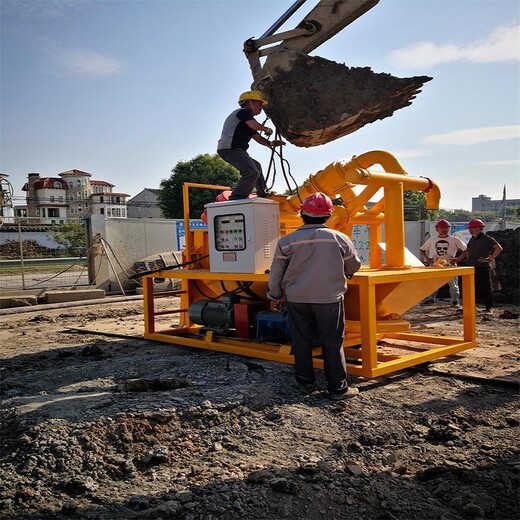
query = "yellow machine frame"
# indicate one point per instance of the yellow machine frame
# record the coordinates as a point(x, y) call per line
point(377, 297)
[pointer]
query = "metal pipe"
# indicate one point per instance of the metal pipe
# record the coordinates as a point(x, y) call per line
point(338, 178)
point(20, 241)
point(276, 25)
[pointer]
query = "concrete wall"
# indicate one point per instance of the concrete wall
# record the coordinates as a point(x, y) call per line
point(126, 241)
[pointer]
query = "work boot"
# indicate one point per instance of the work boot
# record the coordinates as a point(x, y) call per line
point(456, 305)
point(307, 388)
point(343, 394)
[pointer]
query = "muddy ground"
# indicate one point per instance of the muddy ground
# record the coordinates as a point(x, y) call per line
point(206, 435)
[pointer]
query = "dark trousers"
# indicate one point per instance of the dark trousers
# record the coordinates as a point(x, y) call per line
point(319, 324)
point(251, 175)
point(483, 289)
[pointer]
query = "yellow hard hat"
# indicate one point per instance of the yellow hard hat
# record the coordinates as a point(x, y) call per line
point(252, 94)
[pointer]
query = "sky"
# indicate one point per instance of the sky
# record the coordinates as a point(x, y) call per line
point(125, 89)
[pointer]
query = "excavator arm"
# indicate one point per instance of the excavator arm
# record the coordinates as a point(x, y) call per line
point(324, 21)
point(312, 100)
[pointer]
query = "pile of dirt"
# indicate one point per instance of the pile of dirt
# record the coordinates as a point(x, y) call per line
point(108, 428)
point(313, 101)
point(508, 265)
point(10, 250)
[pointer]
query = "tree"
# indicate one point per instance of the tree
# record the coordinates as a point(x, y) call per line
point(456, 215)
point(415, 206)
point(71, 235)
point(203, 169)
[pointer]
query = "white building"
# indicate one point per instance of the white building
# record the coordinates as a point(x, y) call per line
point(73, 195)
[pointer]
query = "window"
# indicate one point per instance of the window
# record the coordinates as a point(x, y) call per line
point(54, 212)
point(57, 185)
point(71, 185)
point(79, 182)
point(60, 198)
point(102, 211)
point(80, 207)
point(101, 199)
point(52, 198)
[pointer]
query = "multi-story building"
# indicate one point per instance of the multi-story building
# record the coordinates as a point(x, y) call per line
point(484, 203)
point(71, 195)
point(145, 205)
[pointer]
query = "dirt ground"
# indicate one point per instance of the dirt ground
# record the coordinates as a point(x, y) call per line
point(206, 435)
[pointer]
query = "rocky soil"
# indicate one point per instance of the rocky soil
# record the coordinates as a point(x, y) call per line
point(313, 101)
point(108, 426)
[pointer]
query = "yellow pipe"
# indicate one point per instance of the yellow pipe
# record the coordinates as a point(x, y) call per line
point(394, 225)
point(338, 178)
point(391, 164)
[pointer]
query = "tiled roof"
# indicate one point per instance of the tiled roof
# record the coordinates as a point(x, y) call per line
point(101, 183)
point(47, 182)
point(75, 172)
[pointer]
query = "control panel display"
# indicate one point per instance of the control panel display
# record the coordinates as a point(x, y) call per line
point(230, 232)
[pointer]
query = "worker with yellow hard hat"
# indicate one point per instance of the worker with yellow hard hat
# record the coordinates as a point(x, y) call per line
point(239, 128)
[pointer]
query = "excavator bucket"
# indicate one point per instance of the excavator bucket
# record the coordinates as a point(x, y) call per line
point(313, 101)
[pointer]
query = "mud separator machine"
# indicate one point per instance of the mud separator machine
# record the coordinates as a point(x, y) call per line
point(223, 304)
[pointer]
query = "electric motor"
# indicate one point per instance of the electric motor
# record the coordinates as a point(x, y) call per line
point(213, 314)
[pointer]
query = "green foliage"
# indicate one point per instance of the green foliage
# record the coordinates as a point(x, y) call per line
point(456, 215)
point(462, 215)
point(203, 169)
point(72, 235)
point(513, 212)
point(415, 206)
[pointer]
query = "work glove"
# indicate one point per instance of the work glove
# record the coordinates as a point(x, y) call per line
point(276, 142)
point(268, 131)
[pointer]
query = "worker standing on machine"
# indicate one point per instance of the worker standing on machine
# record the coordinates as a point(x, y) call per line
point(239, 128)
point(310, 268)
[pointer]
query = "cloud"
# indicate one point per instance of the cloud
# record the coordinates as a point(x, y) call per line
point(407, 154)
point(471, 136)
point(502, 45)
point(84, 62)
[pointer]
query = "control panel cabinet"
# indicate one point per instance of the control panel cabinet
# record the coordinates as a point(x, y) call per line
point(242, 235)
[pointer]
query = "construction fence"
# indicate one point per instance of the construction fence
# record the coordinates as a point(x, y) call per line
point(32, 257)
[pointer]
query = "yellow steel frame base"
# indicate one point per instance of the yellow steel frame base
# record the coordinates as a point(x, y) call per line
point(364, 356)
